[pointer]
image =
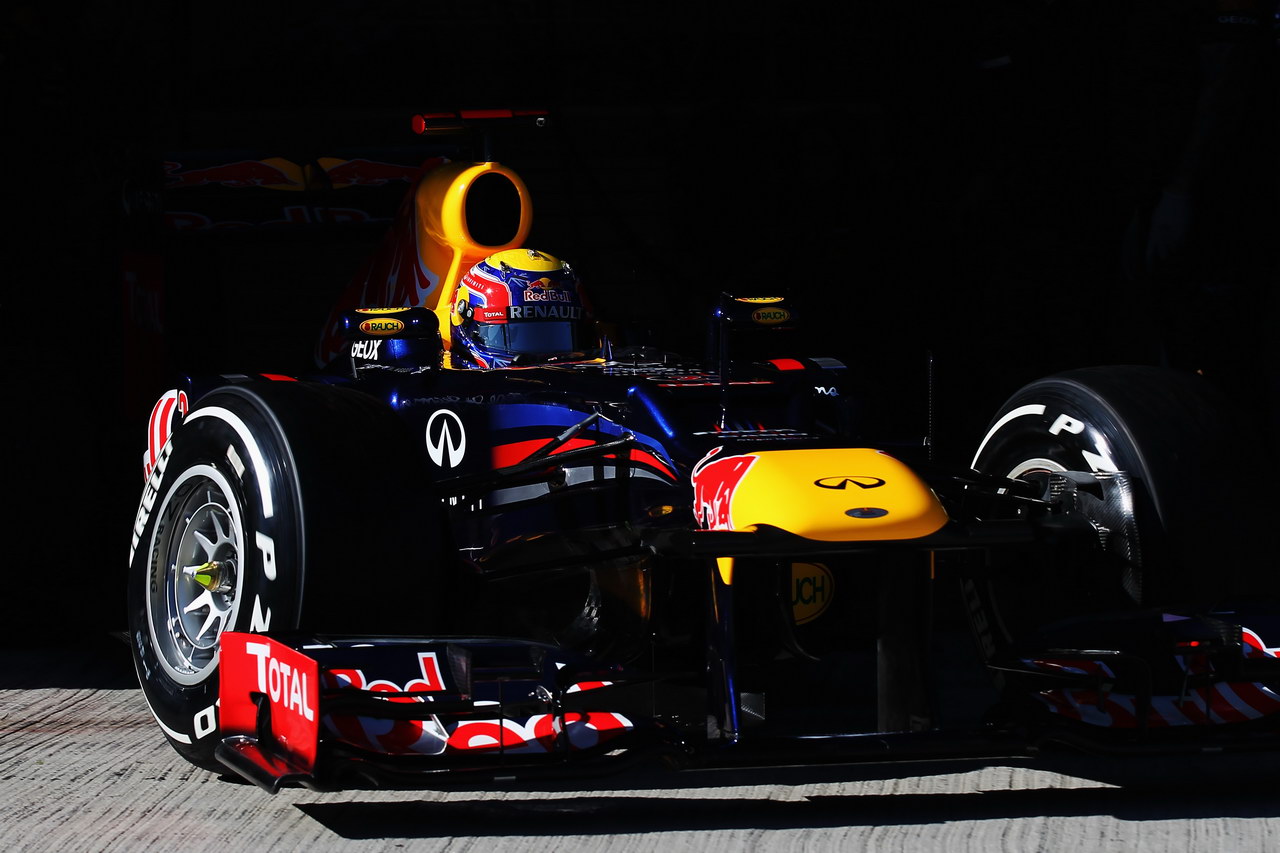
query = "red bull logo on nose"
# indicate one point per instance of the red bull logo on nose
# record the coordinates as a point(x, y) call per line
point(715, 479)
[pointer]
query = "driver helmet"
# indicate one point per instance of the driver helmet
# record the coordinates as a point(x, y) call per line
point(520, 306)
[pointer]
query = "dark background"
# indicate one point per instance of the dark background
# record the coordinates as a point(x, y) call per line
point(997, 186)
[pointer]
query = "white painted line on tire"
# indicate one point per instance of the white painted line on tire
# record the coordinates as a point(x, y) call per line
point(178, 736)
point(1033, 409)
point(255, 455)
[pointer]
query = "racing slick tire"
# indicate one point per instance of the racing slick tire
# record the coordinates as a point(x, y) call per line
point(1191, 510)
point(248, 522)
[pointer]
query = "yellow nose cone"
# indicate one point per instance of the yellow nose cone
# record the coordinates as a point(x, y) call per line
point(832, 495)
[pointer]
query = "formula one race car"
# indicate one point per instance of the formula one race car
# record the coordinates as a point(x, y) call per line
point(483, 541)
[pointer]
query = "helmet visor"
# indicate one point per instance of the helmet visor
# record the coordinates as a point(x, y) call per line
point(534, 337)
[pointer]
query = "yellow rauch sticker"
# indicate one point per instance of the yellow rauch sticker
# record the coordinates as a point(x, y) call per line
point(769, 316)
point(812, 588)
point(381, 326)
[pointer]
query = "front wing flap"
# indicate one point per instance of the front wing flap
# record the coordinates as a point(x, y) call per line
point(300, 710)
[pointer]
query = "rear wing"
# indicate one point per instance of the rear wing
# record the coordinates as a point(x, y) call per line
point(257, 189)
point(269, 229)
point(221, 190)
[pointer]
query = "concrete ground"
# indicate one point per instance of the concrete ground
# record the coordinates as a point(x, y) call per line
point(83, 767)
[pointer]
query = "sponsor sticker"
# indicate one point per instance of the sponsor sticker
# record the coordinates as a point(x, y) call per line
point(812, 588)
point(381, 310)
point(446, 439)
point(770, 316)
point(862, 481)
point(759, 300)
point(545, 312)
point(532, 295)
point(381, 326)
point(289, 680)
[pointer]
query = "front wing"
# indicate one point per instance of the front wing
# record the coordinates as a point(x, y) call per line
point(330, 713)
point(322, 711)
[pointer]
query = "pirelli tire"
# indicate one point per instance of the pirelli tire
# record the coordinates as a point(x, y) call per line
point(273, 507)
point(1189, 491)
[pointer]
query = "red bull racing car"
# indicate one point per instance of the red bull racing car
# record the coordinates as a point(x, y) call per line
point(484, 541)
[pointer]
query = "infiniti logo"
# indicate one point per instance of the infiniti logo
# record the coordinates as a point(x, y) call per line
point(860, 480)
point(446, 439)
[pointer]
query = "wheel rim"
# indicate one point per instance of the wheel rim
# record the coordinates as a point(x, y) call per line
point(1038, 465)
point(196, 576)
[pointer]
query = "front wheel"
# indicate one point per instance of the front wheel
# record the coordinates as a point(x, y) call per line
point(1177, 470)
point(247, 523)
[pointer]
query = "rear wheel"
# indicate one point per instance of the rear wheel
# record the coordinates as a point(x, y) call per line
point(1175, 503)
point(254, 519)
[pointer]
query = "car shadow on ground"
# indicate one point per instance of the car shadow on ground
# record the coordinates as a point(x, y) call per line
point(609, 815)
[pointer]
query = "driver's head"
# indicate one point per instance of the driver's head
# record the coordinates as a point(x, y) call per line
point(520, 304)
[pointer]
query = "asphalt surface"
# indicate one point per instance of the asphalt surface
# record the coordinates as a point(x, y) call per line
point(83, 767)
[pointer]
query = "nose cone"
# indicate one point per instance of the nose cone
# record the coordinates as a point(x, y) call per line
point(832, 495)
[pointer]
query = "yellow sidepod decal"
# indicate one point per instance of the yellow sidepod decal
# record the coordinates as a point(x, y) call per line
point(832, 495)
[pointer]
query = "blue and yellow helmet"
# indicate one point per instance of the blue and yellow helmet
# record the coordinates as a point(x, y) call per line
point(520, 306)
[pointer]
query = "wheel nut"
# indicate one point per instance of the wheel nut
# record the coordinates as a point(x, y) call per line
point(214, 576)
